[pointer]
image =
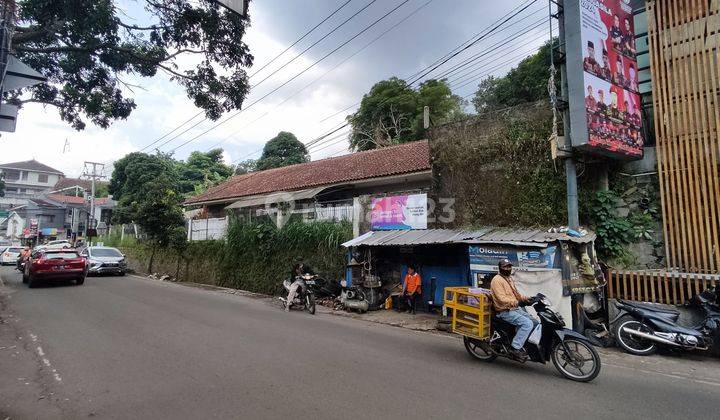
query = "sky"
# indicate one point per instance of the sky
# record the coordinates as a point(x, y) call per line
point(436, 28)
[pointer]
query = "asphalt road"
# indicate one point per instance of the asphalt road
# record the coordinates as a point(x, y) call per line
point(136, 348)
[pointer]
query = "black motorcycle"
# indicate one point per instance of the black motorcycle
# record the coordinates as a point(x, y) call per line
point(640, 328)
point(572, 354)
point(305, 297)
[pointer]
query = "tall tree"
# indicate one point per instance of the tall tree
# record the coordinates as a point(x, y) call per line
point(2, 186)
point(203, 170)
point(89, 48)
point(525, 83)
point(282, 150)
point(147, 190)
point(392, 112)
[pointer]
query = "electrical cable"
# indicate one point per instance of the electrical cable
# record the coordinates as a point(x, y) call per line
point(292, 78)
point(301, 38)
point(336, 66)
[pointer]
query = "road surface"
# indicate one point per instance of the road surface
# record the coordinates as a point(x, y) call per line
point(127, 347)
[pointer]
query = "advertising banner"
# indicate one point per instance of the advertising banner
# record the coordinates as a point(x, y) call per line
point(603, 78)
point(485, 258)
point(403, 212)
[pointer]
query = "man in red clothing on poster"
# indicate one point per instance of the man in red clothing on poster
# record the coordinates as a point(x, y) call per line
point(412, 288)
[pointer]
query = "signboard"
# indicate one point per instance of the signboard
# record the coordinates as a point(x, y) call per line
point(603, 78)
point(237, 6)
point(485, 258)
point(403, 212)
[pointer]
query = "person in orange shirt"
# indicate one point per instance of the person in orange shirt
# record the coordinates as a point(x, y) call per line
point(412, 288)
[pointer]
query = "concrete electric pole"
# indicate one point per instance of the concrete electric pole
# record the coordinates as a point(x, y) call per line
point(93, 171)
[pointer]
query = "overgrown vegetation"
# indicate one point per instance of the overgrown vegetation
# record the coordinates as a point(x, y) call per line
point(255, 256)
point(499, 170)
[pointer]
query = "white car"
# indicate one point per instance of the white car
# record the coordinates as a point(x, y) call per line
point(10, 254)
point(59, 244)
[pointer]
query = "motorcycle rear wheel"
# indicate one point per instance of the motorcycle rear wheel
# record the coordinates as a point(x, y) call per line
point(631, 344)
point(310, 303)
point(580, 354)
point(476, 350)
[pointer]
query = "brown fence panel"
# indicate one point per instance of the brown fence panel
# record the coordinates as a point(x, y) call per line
point(672, 288)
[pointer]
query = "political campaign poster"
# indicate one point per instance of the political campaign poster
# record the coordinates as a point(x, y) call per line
point(400, 212)
point(602, 67)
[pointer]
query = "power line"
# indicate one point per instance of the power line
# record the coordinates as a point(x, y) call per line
point(336, 66)
point(301, 38)
point(296, 76)
point(264, 66)
point(455, 51)
point(314, 44)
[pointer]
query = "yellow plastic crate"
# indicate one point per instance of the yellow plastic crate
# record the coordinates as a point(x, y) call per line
point(470, 312)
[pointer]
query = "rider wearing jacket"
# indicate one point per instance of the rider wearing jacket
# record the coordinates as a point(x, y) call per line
point(506, 302)
point(299, 270)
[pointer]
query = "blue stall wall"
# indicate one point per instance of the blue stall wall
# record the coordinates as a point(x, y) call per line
point(446, 276)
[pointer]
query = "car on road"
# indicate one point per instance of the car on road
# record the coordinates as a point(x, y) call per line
point(59, 244)
point(55, 265)
point(104, 260)
point(9, 255)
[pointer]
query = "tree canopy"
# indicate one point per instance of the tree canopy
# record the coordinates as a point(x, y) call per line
point(202, 170)
point(147, 190)
point(392, 112)
point(88, 48)
point(282, 150)
point(525, 83)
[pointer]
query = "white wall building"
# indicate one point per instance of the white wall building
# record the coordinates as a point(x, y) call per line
point(26, 180)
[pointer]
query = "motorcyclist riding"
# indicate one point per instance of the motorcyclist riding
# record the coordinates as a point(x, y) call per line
point(506, 302)
point(293, 284)
point(24, 255)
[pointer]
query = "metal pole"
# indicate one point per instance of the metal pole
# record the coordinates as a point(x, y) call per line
point(570, 168)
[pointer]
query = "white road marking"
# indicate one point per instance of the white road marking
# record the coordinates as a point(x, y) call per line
point(44, 359)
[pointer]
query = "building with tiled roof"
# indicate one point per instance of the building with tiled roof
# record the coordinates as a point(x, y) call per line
point(396, 168)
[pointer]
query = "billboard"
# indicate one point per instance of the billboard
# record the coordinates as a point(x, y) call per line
point(401, 212)
point(603, 78)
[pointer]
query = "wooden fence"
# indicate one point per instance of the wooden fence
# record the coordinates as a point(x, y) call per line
point(667, 287)
point(684, 43)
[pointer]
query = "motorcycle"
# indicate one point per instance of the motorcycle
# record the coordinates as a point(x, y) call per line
point(572, 353)
point(304, 297)
point(640, 328)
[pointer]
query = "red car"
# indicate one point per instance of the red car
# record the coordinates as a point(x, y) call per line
point(55, 264)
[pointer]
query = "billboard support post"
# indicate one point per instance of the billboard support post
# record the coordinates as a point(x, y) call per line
point(570, 168)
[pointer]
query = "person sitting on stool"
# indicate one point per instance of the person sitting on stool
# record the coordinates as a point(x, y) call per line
point(412, 288)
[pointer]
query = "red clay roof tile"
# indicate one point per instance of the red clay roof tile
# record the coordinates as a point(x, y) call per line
point(394, 160)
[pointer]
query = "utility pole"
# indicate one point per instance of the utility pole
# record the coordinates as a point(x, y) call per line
point(570, 168)
point(93, 174)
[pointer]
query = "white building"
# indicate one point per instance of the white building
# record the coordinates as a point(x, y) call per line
point(26, 180)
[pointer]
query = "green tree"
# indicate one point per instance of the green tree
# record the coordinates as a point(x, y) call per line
point(392, 112)
point(89, 48)
point(282, 150)
point(246, 167)
point(525, 83)
point(132, 177)
point(203, 170)
point(159, 215)
point(147, 190)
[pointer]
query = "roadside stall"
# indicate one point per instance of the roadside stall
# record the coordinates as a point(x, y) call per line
point(559, 263)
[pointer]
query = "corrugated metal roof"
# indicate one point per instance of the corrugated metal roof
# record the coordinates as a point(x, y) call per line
point(519, 237)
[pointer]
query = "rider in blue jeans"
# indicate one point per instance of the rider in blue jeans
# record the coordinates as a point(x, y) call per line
point(507, 301)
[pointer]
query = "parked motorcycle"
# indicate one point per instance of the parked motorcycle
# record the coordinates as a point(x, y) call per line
point(305, 297)
point(572, 354)
point(640, 328)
